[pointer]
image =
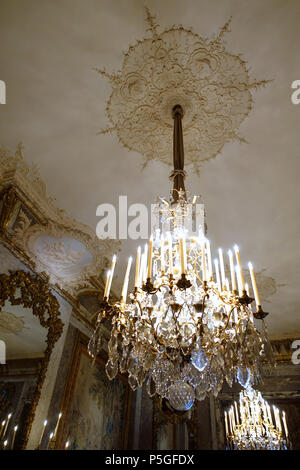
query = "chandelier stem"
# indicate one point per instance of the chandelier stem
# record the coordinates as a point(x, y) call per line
point(178, 153)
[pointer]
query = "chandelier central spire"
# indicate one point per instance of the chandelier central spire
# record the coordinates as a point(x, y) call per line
point(178, 174)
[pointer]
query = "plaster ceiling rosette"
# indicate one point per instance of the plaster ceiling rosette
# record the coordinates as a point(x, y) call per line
point(178, 66)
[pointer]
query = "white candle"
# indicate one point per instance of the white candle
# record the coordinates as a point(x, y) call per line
point(107, 282)
point(232, 273)
point(277, 419)
point(126, 280)
point(145, 263)
point(141, 277)
point(238, 275)
point(150, 257)
point(14, 436)
point(254, 285)
point(230, 422)
point(236, 412)
point(2, 427)
point(137, 267)
point(217, 274)
point(285, 424)
point(204, 272)
point(42, 434)
point(6, 426)
point(226, 424)
point(269, 414)
point(112, 269)
point(162, 254)
point(238, 260)
point(182, 254)
point(170, 254)
point(57, 424)
point(222, 267)
point(233, 417)
point(247, 288)
point(210, 267)
point(50, 438)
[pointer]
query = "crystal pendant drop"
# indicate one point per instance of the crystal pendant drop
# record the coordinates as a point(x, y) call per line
point(181, 396)
point(199, 358)
point(111, 369)
point(243, 376)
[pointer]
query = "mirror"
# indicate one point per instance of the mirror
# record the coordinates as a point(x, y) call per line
point(29, 327)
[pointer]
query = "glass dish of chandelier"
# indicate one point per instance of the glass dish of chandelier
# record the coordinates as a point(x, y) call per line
point(186, 327)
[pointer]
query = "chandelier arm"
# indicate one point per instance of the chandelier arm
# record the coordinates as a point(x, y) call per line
point(228, 318)
point(178, 174)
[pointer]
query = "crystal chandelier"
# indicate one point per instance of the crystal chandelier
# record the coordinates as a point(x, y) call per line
point(186, 327)
point(252, 425)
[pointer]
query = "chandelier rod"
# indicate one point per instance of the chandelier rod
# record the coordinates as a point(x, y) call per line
point(178, 174)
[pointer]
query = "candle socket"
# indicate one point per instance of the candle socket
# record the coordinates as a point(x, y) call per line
point(149, 287)
point(106, 308)
point(183, 283)
point(52, 443)
point(245, 299)
point(260, 314)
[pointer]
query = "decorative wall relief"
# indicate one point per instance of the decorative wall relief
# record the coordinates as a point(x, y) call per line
point(68, 251)
point(178, 66)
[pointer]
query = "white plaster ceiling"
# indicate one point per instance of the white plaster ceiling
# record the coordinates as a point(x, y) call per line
point(56, 104)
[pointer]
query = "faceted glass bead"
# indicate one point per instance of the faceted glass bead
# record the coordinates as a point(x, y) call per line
point(181, 396)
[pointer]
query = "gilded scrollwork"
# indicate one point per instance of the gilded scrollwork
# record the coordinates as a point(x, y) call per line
point(32, 291)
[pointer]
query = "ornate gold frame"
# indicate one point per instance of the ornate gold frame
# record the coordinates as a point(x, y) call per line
point(34, 293)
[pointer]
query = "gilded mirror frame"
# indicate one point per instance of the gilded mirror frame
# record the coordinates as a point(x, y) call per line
point(31, 291)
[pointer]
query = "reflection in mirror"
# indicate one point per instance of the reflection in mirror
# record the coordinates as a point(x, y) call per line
point(25, 341)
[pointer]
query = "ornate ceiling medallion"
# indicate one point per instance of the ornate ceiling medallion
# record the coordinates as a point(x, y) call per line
point(179, 66)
